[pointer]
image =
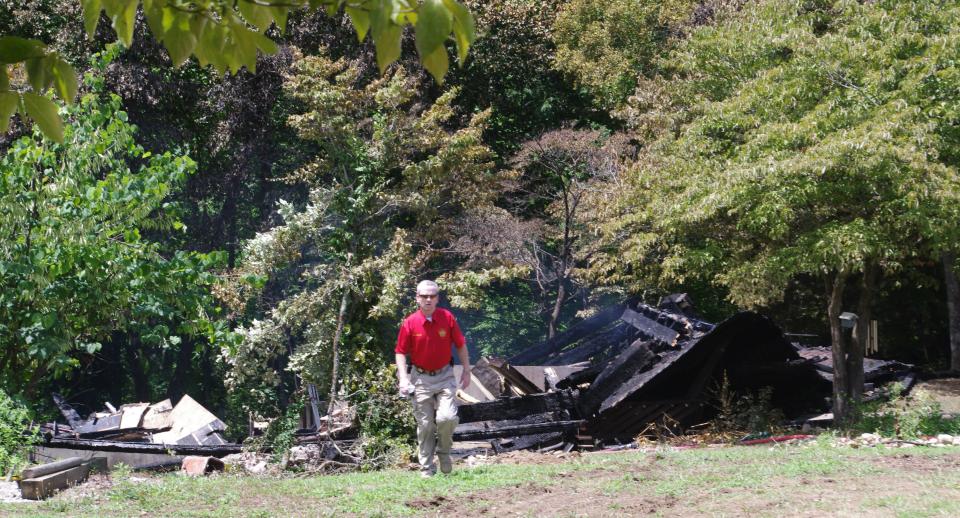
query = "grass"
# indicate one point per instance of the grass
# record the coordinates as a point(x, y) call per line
point(812, 479)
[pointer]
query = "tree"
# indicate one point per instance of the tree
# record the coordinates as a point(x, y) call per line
point(225, 34)
point(821, 146)
point(387, 188)
point(562, 173)
point(76, 267)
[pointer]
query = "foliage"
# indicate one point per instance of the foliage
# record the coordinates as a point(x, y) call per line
point(77, 267)
point(387, 189)
point(510, 72)
point(744, 413)
point(224, 34)
point(387, 428)
point(280, 434)
point(605, 45)
point(902, 416)
point(808, 154)
point(564, 180)
point(16, 436)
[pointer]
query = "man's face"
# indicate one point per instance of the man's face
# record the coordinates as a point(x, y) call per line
point(427, 299)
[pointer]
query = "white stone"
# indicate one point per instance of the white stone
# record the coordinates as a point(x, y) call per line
point(945, 439)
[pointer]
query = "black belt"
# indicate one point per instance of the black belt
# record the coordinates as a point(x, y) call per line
point(428, 372)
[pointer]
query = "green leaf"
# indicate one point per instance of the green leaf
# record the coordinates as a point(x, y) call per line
point(434, 23)
point(8, 106)
point(4, 78)
point(437, 63)
point(257, 15)
point(360, 19)
point(14, 49)
point(44, 112)
point(91, 15)
point(64, 80)
point(386, 37)
point(123, 14)
point(39, 73)
point(180, 36)
point(280, 17)
point(464, 29)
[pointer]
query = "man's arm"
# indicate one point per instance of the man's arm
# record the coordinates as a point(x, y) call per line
point(464, 356)
point(403, 378)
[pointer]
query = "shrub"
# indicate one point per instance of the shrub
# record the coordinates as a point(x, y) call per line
point(16, 434)
point(905, 417)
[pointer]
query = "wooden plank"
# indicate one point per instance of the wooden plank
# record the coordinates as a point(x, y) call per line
point(534, 355)
point(650, 328)
point(518, 430)
point(518, 407)
point(513, 376)
point(51, 467)
point(46, 486)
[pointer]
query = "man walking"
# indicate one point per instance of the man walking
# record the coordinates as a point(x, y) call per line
point(427, 336)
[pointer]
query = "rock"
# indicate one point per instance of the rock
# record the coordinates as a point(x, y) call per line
point(945, 439)
point(196, 466)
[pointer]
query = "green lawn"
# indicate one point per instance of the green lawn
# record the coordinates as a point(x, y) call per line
point(812, 480)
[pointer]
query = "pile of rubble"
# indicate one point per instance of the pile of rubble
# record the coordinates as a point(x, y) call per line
point(633, 367)
point(140, 429)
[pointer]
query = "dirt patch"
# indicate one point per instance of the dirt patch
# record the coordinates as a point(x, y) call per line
point(920, 463)
point(944, 391)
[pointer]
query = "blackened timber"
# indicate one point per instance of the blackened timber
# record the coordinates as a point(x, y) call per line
point(518, 407)
point(636, 358)
point(599, 347)
point(650, 328)
point(69, 413)
point(143, 447)
point(518, 430)
point(513, 376)
point(536, 354)
point(582, 376)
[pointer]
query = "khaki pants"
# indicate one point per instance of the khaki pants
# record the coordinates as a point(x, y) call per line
point(435, 408)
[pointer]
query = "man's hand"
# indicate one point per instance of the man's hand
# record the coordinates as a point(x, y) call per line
point(465, 378)
point(405, 387)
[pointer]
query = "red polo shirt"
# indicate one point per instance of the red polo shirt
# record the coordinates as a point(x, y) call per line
point(428, 341)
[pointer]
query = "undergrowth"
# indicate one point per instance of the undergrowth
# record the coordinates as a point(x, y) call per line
point(904, 417)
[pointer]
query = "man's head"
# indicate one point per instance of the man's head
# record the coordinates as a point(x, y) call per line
point(428, 294)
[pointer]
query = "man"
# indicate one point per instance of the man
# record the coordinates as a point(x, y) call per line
point(427, 336)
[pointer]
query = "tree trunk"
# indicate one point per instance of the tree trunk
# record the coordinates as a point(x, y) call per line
point(953, 307)
point(178, 381)
point(557, 305)
point(841, 396)
point(134, 353)
point(860, 335)
point(341, 316)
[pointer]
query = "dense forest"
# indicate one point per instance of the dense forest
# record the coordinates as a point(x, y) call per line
point(234, 227)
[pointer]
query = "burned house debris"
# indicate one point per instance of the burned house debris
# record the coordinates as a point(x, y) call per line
point(137, 434)
point(612, 376)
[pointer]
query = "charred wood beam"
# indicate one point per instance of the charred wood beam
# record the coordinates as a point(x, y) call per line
point(69, 413)
point(518, 430)
point(650, 328)
point(518, 407)
point(638, 357)
point(141, 447)
point(526, 442)
point(614, 339)
point(536, 354)
point(583, 376)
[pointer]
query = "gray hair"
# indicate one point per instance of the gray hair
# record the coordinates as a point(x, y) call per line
point(425, 284)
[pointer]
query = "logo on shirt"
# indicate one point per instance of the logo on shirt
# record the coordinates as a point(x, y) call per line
point(442, 333)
